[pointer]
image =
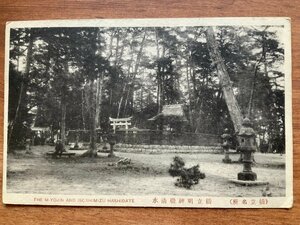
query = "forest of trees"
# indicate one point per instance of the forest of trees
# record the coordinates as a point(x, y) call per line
point(77, 78)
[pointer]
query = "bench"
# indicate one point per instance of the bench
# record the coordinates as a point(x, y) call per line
point(68, 154)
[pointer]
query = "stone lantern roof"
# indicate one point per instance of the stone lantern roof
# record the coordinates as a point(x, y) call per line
point(226, 134)
point(246, 129)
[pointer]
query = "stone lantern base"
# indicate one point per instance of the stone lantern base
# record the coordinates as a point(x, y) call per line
point(247, 176)
point(248, 182)
point(226, 158)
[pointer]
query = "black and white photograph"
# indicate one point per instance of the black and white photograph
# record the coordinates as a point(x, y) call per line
point(149, 113)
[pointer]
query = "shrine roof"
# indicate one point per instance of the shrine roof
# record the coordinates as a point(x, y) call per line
point(175, 110)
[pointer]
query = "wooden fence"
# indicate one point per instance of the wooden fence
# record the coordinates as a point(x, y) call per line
point(154, 137)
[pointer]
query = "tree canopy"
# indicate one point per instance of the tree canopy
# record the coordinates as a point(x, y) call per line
point(77, 78)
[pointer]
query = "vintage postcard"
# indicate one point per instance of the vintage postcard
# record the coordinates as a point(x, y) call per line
point(149, 113)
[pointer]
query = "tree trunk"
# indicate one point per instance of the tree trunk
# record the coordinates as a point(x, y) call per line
point(158, 94)
point(97, 110)
point(249, 114)
point(162, 90)
point(95, 101)
point(23, 85)
point(82, 109)
point(64, 107)
point(121, 100)
point(91, 106)
point(99, 100)
point(224, 78)
point(126, 101)
point(63, 119)
point(189, 93)
point(111, 44)
point(124, 88)
point(139, 56)
point(117, 48)
point(158, 78)
point(262, 58)
point(141, 102)
point(93, 135)
point(157, 44)
point(136, 67)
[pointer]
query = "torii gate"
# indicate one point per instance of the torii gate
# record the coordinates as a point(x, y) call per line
point(120, 122)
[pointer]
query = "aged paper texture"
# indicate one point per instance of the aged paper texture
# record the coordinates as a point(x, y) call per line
point(149, 113)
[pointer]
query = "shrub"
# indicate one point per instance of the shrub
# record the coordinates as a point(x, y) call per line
point(176, 167)
point(187, 177)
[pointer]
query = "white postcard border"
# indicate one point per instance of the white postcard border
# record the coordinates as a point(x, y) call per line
point(149, 201)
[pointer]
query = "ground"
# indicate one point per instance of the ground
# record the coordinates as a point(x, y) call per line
point(146, 175)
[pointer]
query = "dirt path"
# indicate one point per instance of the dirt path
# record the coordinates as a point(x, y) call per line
point(147, 175)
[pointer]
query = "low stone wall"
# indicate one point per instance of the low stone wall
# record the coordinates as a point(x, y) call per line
point(158, 149)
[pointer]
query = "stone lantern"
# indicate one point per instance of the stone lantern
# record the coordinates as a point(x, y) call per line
point(246, 137)
point(104, 138)
point(76, 146)
point(226, 145)
point(112, 141)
